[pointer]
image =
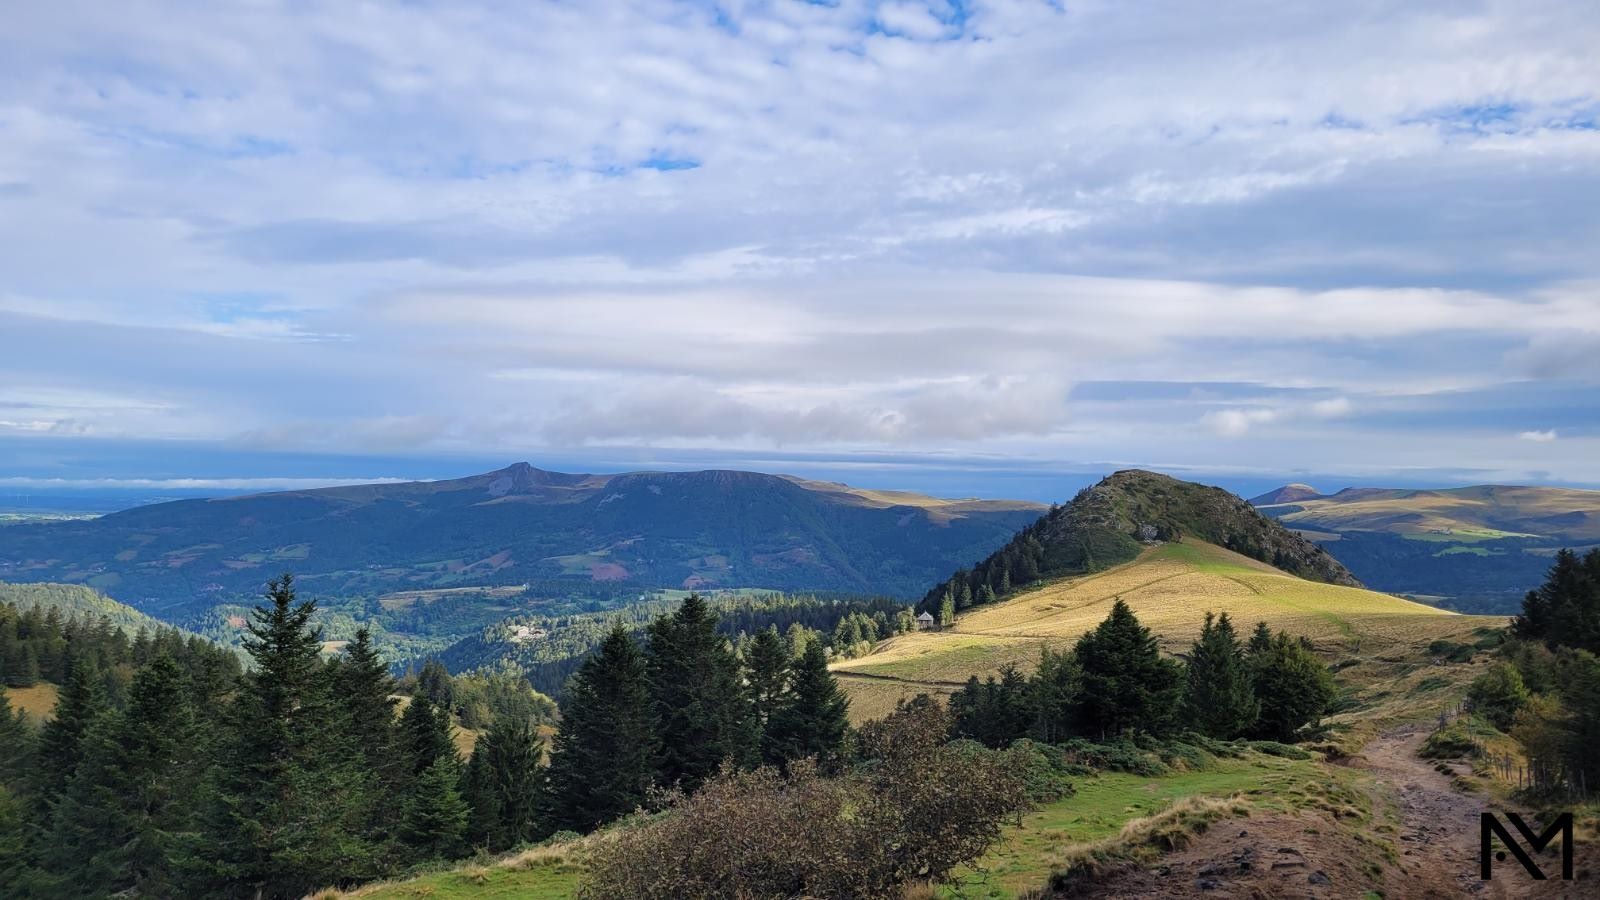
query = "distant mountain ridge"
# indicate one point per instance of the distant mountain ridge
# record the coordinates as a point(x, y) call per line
point(1489, 510)
point(520, 525)
point(1476, 549)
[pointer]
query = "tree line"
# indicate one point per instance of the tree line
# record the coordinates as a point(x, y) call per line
point(1545, 689)
point(1115, 680)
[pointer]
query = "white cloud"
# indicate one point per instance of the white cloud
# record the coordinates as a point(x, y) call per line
point(1538, 437)
point(427, 228)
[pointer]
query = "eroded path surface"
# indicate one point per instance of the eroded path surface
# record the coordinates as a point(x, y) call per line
point(1286, 855)
point(1438, 839)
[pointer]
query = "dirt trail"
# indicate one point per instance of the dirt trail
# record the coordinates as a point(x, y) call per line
point(1285, 855)
point(1438, 838)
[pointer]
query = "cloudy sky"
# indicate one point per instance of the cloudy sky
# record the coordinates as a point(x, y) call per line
point(965, 245)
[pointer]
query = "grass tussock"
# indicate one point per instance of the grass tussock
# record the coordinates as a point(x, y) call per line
point(1140, 839)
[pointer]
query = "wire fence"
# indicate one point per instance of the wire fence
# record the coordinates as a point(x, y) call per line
point(1543, 776)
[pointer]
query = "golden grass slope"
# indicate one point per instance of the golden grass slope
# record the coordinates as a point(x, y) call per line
point(1170, 588)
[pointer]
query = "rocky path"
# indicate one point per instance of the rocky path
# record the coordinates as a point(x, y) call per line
point(1284, 855)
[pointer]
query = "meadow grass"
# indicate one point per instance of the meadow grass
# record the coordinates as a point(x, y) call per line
point(1052, 837)
point(1170, 588)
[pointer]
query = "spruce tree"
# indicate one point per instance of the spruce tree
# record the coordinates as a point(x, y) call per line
point(292, 798)
point(82, 702)
point(705, 716)
point(603, 761)
point(1260, 641)
point(16, 745)
point(505, 785)
point(17, 874)
point(425, 736)
point(122, 820)
point(1220, 699)
point(1126, 683)
point(433, 819)
point(1293, 687)
point(814, 718)
point(766, 671)
point(1056, 688)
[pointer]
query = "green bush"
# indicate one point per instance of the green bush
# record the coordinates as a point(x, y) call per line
point(1454, 741)
point(1498, 694)
point(1118, 756)
point(1274, 748)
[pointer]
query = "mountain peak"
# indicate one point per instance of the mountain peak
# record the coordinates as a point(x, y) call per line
point(1289, 493)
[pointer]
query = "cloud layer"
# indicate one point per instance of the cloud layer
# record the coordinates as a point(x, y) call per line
point(1280, 237)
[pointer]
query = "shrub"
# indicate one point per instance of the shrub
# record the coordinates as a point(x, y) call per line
point(1498, 694)
point(1274, 748)
point(1451, 742)
point(915, 809)
point(1117, 756)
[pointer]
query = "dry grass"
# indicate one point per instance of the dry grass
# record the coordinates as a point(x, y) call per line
point(1146, 837)
point(38, 702)
point(1170, 588)
point(1468, 512)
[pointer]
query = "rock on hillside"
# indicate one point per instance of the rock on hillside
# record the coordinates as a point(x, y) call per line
point(1108, 524)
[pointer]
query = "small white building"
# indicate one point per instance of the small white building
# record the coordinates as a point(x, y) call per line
point(924, 621)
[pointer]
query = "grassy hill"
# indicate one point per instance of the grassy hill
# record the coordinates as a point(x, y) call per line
point(1475, 549)
point(1170, 588)
point(1483, 512)
point(561, 533)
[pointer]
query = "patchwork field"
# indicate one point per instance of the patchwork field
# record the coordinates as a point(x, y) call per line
point(1170, 588)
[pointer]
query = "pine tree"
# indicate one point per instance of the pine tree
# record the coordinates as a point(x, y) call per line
point(705, 717)
point(813, 720)
point(16, 744)
point(364, 691)
point(604, 758)
point(1293, 687)
point(17, 874)
point(433, 819)
point(1260, 641)
point(1056, 688)
point(120, 824)
point(767, 673)
point(1220, 700)
point(1126, 683)
point(82, 702)
point(291, 795)
point(506, 785)
point(424, 736)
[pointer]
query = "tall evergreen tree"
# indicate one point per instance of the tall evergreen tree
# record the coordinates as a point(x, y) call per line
point(504, 785)
point(124, 817)
point(17, 874)
point(16, 744)
point(1293, 687)
point(1260, 641)
point(425, 735)
point(82, 702)
point(291, 796)
point(766, 667)
point(1126, 683)
point(705, 716)
point(814, 718)
point(433, 818)
point(1220, 700)
point(604, 758)
point(1056, 688)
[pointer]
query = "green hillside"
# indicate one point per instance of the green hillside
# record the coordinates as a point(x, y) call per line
point(76, 600)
